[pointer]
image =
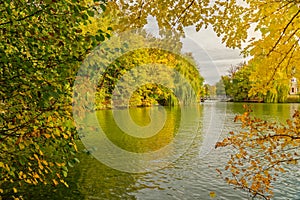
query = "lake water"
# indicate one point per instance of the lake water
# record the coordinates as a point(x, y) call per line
point(190, 174)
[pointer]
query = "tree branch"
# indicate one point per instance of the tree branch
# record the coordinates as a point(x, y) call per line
point(283, 32)
point(23, 18)
point(182, 13)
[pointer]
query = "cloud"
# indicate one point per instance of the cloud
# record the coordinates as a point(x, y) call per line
point(212, 56)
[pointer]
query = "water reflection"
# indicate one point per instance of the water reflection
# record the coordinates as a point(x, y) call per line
point(272, 111)
point(189, 177)
point(140, 116)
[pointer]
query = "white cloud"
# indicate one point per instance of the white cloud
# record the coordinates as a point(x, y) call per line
point(212, 56)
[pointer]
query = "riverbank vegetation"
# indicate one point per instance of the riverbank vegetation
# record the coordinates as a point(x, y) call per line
point(274, 50)
point(43, 44)
point(150, 93)
point(41, 49)
point(239, 83)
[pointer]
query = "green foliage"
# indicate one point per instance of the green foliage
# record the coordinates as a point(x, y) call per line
point(150, 94)
point(263, 149)
point(237, 85)
point(41, 46)
point(274, 54)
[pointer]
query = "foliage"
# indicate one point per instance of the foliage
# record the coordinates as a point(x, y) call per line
point(149, 94)
point(220, 88)
point(171, 15)
point(263, 149)
point(237, 84)
point(158, 64)
point(43, 42)
point(275, 52)
point(209, 91)
point(41, 46)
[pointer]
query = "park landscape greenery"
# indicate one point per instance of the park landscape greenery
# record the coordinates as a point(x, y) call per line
point(43, 44)
point(41, 49)
point(238, 86)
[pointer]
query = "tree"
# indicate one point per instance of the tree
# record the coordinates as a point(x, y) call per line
point(262, 150)
point(220, 88)
point(237, 84)
point(265, 146)
point(209, 91)
point(171, 15)
point(41, 47)
point(43, 43)
point(275, 52)
point(159, 69)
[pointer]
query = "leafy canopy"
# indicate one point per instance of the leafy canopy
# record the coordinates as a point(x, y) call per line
point(275, 52)
point(41, 47)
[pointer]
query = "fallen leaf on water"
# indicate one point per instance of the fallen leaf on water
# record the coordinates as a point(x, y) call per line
point(212, 195)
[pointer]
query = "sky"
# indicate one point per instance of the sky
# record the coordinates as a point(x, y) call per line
point(213, 58)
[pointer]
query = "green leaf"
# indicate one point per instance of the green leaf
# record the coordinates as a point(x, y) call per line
point(85, 16)
point(77, 160)
point(65, 174)
point(103, 7)
point(70, 164)
point(91, 13)
point(100, 38)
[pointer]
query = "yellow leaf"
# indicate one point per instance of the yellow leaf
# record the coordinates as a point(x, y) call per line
point(35, 175)
point(75, 147)
point(45, 162)
point(36, 156)
point(41, 166)
point(28, 181)
point(281, 170)
point(55, 182)
point(15, 190)
point(212, 195)
point(21, 146)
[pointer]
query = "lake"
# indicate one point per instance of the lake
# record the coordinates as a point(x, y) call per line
point(185, 170)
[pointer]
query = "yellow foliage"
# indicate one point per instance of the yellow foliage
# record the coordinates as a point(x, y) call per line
point(275, 50)
point(262, 151)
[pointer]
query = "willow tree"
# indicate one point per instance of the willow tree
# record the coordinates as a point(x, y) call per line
point(142, 63)
point(274, 50)
point(41, 47)
point(42, 43)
